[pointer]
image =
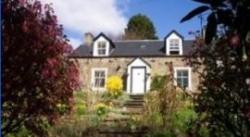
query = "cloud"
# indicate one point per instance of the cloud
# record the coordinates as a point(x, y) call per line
point(93, 16)
point(75, 42)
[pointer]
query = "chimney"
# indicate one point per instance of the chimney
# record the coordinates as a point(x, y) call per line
point(88, 39)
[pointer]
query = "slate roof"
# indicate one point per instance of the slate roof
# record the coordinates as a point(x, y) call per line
point(134, 48)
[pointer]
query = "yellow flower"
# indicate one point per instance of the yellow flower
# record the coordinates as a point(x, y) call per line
point(100, 105)
point(114, 85)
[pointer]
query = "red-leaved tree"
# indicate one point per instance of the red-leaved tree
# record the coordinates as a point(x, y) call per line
point(37, 73)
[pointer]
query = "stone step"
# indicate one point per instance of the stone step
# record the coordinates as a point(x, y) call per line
point(134, 104)
point(133, 111)
point(136, 101)
point(136, 97)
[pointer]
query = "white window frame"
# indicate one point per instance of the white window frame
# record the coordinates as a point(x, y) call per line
point(105, 48)
point(168, 40)
point(93, 79)
point(95, 47)
point(174, 45)
point(189, 76)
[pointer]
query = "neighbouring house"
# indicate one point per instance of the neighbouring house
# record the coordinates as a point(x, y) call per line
point(136, 61)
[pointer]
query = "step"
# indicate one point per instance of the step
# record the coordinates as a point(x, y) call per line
point(137, 97)
point(134, 103)
point(133, 111)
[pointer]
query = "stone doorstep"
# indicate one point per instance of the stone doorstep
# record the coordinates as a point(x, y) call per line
point(137, 97)
point(133, 104)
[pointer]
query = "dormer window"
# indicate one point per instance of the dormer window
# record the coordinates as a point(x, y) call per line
point(101, 48)
point(174, 46)
point(174, 43)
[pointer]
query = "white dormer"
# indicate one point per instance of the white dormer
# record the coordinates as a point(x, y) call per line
point(174, 43)
point(101, 45)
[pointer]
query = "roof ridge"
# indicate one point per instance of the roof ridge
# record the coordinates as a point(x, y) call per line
point(144, 40)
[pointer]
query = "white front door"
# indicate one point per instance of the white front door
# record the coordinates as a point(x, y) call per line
point(138, 80)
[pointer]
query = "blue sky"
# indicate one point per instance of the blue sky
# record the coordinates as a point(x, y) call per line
point(166, 14)
point(111, 16)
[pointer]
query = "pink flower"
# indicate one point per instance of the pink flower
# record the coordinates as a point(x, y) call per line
point(52, 62)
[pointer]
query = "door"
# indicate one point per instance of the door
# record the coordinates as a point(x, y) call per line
point(138, 80)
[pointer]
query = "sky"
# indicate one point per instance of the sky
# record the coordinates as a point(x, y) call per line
point(111, 16)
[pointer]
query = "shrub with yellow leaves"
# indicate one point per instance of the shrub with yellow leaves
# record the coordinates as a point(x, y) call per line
point(101, 109)
point(114, 86)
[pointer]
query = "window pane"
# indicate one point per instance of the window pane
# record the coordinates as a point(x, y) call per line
point(101, 44)
point(96, 84)
point(185, 82)
point(182, 73)
point(185, 73)
point(179, 82)
point(102, 74)
point(102, 82)
point(99, 74)
point(101, 51)
point(101, 48)
point(182, 78)
point(174, 46)
point(174, 42)
point(96, 74)
point(179, 73)
point(99, 81)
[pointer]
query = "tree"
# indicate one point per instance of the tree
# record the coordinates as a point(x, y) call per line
point(140, 27)
point(38, 75)
point(223, 104)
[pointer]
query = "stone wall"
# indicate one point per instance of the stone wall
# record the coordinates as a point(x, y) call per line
point(118, 66)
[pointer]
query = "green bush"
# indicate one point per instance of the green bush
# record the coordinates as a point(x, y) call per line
point(158, 82)
point(154, 120)
point(62, 108)
point(80, 97)
point(74, 128)
point(23, 132)
point(80, 104)
point(80, 109)
point(101, 109)
point(168, 111)
point(183, 120)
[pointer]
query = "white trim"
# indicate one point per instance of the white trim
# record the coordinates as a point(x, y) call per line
point(138, 62)
point(172, 37)
point(95, 46)
point(93, 78)
point(189, 69)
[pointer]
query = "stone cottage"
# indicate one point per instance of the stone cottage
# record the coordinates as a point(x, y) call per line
point(136, 61)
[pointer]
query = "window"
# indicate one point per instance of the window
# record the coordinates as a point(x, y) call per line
point(99, 78)
point(183, 77)
point(101, 48)
point(174, 46)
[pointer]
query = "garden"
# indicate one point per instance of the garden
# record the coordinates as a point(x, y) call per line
point(41, 84)
point(166, 111)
